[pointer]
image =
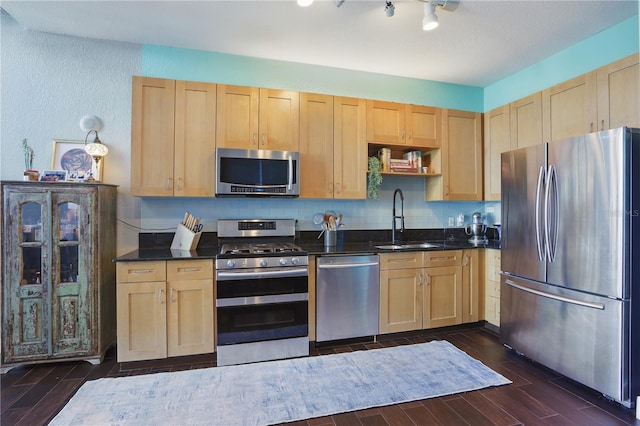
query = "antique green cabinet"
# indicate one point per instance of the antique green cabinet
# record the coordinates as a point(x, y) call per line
point(58, 291)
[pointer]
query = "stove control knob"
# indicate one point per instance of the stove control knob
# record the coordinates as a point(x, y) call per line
point(283, 261)
point(264, 263)
point(231, 263)
point(295, 260)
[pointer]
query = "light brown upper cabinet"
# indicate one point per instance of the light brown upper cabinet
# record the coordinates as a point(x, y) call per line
point(496, 141)
point(526, 121)
point(391, 123)
point(462, 159)
point(618, 90)
point(172, 138)
point(570, 108)
point(333, 148)
point(349, 148)
point(316, 146)
point(255, 118)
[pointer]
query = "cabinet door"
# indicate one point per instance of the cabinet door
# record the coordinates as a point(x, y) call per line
point(316, 146)
point(152, 136)
point(27, 235)
point(350, 160)
point(496, 141)
point(142, 320)
point(471, 287)
point(618, 89)
point(570, 108)
point(237, 117)
point(492, 287)
point(72, 277)
point(195, 144)
point(442, 296)
point(190, 317)
point(386, 123)
point(424, 126)
point(400, 300)
point(463, 175)
point(279, 120)
point(526, 121)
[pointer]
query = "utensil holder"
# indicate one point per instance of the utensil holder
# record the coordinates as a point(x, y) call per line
point(330, 238)
point(185, 239)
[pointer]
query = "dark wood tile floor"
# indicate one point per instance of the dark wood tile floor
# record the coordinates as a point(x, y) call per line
point(32, 395)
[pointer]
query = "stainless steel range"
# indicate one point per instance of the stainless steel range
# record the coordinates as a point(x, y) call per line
point(262, 296)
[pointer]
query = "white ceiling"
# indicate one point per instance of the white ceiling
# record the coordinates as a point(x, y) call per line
point(479, 43)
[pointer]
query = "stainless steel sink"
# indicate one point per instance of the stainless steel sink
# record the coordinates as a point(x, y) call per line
point(408, 246)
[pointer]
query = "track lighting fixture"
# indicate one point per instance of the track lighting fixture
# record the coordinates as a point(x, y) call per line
point(338, 3)
point(430, 20)
point(389, 9)
point(305, 3)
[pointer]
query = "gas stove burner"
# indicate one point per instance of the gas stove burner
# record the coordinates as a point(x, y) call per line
point(260, 248)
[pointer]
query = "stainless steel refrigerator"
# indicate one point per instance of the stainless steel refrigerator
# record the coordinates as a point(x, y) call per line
point(570, 284)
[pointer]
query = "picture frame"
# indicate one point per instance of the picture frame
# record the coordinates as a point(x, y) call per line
point(69, 155)
point(53, 176)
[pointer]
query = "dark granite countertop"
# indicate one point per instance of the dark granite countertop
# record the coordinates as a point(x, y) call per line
point(157, 246)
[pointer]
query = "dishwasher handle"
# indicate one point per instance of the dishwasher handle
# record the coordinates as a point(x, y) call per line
point(346, 265)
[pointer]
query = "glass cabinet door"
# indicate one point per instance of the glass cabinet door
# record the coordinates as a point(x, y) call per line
point(27, 274)
point(70, 283)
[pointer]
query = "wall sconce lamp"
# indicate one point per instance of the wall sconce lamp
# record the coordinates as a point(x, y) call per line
point(96, 149)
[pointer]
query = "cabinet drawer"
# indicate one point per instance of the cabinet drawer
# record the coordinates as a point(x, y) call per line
point(135, 272)
point(442, 258)
point(405, 260)
point(189, 269)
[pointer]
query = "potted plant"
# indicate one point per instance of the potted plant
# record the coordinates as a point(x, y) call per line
point(29, 154)
point(374, 178)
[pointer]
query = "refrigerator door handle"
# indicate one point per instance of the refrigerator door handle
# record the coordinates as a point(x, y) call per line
point(541, 251)
point(556, 296)
point(551, 217)
point(550, 248)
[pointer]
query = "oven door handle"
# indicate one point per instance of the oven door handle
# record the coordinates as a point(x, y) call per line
point(262, 300)
point(244, 275)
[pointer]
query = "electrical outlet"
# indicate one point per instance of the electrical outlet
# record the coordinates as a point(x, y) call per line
point(491, 209)
point(451, 221)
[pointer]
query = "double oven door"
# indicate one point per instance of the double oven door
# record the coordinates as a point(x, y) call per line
point(262, 307)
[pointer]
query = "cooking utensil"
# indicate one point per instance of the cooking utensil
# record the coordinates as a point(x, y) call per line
point(318, 218)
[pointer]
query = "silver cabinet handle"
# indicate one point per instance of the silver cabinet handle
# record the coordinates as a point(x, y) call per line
point(160, 296)
point(171, 299)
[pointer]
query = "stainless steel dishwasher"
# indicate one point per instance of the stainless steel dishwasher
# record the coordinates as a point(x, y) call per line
point(347, 297)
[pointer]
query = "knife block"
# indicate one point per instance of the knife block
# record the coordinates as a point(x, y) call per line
point(185, 239)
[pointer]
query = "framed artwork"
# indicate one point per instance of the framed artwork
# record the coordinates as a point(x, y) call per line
point(70, 156)
point(53, 176)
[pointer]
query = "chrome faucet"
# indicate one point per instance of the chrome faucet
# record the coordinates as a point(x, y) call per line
point(396, 217)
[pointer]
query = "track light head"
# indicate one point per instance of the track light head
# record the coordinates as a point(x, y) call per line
point(338, 3)
point(430, 20)
point(305, 3)
point(389, 9)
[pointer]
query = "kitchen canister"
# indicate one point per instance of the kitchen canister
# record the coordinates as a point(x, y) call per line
point(330, 238)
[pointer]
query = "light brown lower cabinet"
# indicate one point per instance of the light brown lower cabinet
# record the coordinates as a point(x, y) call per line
point(420, 290)
point(164, 309)
point(492, 287)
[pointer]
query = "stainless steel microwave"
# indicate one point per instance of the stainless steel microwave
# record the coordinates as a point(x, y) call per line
point(257, 172)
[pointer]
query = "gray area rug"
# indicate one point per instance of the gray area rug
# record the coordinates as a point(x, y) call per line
point(280, 391)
